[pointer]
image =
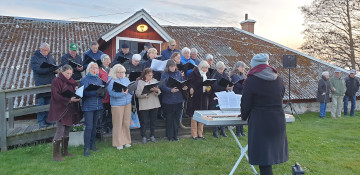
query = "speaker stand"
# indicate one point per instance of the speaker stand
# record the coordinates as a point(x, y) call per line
point(292, 109)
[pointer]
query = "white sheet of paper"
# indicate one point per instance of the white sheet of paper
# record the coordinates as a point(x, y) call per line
point(157, 65)
point(80, 91)
point(228, 100)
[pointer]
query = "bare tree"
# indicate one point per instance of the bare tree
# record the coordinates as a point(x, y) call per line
point(332, 31)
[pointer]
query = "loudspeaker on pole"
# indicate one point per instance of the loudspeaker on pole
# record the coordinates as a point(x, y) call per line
point(289, 61)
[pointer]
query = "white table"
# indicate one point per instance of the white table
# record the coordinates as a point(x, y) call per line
point(229, 118)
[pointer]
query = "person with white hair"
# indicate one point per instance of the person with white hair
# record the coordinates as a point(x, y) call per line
point(194, 56)
point(210, 59)
point(323, 93)
point(92, 106)
point(133, 65)
point(105, 120)
point(43, 76)
point(185, 58)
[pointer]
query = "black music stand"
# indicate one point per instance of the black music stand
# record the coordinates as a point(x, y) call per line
point(289, 61)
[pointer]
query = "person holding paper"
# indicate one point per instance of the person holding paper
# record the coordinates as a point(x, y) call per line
point(124, 53)
point(62, 111)
point(172, 100)
point(92, 106)
point(120, 107)
point(43, 76)
point(105, 121)
point(148, 104)
point(261, 106)
point(152, 53)
point(133, 65)
point(197, 100)
point(93, 52)
point(238, 76)
point(74, 60)
point(218, 74)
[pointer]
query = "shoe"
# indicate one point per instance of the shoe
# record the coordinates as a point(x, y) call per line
point(120, 147)
point(238, 134)
point(202, 138)
point(144, 140)
point(215, 134)
point(43, 125)
point(93, 148)
point(175, 139)
point(152, 138)
point(127, 145)
point(56, 151)
point(243, 134)
point(194, 138)
point(86, 152)
point(354, 116)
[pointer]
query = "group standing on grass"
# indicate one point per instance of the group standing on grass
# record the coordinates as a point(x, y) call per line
point(262, 93)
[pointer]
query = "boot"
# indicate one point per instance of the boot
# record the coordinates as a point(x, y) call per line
point(86, 152)
point(238, 131)
point(56, 151)
point(215, 134)
point(222, 132)
point(93, 147)
point(64, 148)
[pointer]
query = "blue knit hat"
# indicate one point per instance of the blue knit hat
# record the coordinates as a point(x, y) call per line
point(261, 58)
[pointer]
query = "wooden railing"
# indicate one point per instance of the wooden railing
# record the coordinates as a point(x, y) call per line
point(7, 98)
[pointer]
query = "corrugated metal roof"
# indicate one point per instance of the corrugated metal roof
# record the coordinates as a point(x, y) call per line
point(227, 44)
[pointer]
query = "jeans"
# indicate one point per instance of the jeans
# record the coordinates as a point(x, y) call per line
point(42, 116)
point(322, 110)
point(91, 118)
point(353, 103)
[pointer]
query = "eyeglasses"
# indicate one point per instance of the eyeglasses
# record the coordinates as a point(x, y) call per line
point(120, 72)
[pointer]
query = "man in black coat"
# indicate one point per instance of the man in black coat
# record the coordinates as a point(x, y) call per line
point(43, 75)
point(352, 86)
point(261, 105)
point(74, 60)
point(124, 53)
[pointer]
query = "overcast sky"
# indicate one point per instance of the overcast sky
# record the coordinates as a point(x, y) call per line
point(277, 20)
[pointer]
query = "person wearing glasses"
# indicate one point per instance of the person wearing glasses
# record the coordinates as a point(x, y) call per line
point(120, 108)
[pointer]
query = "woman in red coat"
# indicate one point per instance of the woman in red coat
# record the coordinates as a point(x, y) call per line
point(62, 110)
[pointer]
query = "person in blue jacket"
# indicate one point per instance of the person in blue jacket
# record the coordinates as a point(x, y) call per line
point(120, 108)
point(93, 52)
point(185, 58)
point(72, 56)
point(238, 77)
point(92, 106)
point(194, 56)
point(166, 54)
point(172, 100)
point(43, 76)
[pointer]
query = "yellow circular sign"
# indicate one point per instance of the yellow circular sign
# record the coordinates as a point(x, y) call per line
point(142, 28)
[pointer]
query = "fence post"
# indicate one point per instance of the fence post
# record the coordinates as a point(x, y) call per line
point(3, 130)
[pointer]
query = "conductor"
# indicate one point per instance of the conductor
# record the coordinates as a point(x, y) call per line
point(261, 105)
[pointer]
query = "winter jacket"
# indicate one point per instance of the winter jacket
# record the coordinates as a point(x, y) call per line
point(339, 85)
point(147, 64)
point(184, 61)
point(65, 60)
point(261, 105)
point(91, 54)
point(42, 76)
point(196, 61)
point(147, 101)
point(121, 54)
point(119, 98)
point(91, 100)
point(166, 54)
point(104, 76)
point(197, 101)
point(323, 94)
point(216, 88)
point(131, 68)
point(352, 86)
point(167, 96)
point(61, 109)
point(238, 80)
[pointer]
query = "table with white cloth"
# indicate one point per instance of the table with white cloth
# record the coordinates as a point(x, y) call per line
point(229, 118)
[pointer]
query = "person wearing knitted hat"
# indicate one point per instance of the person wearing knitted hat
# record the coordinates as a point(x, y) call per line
point(261, 101)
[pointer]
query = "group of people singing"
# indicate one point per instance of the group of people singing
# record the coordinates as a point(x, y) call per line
point(171, 101)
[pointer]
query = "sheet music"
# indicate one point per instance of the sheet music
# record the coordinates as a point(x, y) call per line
point(228, 100)
point(80, 91)
point(157, 65)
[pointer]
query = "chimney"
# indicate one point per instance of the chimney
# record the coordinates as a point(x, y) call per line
point(248, 24)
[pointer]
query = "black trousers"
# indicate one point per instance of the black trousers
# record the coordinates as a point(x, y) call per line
point(144, 117)
point(172, 113)
point(265, 170)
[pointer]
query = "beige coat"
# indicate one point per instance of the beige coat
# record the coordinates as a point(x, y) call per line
point(147, 101)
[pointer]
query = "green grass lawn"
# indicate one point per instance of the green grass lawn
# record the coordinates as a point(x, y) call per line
point(321, 146)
